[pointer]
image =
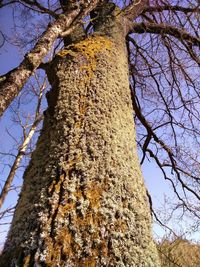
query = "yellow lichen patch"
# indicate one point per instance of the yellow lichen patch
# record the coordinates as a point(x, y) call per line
point(66, 208)
point(104, 248)
point(66, 52)
point(88, 262)
point(65, 239)
point(78, 124)
point(61, 244)
point(82, 110)
point(120, 226)
point(89, 49)
point(82, 107)
point(27, 261)
point(78, 194)
point(56, 186)
point(94, 194)
point(86, 221)
point(73, 162)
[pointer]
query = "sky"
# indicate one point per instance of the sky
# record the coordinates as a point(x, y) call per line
point(10, 57)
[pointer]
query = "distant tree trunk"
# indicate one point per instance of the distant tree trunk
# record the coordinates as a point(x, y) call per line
point(83, 201)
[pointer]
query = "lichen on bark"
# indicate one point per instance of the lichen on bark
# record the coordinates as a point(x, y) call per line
point(89, 49)
point(83, 201)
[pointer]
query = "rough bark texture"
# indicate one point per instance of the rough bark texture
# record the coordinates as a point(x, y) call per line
point(83, 202)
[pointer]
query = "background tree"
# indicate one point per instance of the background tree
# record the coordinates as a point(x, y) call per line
point(28, 130)
point(18, 142)
point(165, 104)
point(179, 252)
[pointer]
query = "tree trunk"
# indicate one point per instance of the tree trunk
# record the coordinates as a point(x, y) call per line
point(83, 201)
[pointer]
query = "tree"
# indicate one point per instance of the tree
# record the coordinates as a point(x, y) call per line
point(83, 201)
point(21, 131)
point(28, 128)
point(179, 253)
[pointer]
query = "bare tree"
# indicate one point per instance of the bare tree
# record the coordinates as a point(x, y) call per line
point(179, 252)
point(28, 130)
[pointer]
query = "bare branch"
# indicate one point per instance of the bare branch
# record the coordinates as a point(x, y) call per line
point(17, 161)
point(23, 147)
point(41, 9)
point(171, 8)
point(180, 34)
point(134, 9)
point(152, 134)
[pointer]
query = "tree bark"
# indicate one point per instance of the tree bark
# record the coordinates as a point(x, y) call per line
point(83, 201)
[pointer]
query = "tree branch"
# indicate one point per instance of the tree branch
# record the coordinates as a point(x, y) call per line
point(135, 9)
point(171, 8)
point(162, 28)
point(17, 161)
point(41, 9)
point(169, 152)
